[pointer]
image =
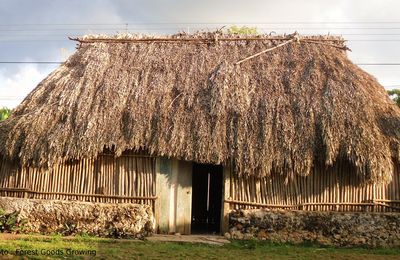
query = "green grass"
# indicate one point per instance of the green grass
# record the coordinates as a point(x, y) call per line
point(135, 249)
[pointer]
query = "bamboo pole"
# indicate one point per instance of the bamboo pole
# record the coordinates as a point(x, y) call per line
point(83, 183)
point(79, 194)
point(203, 40)
point(56, 183)
point(77, 173)
point(47, 180)
point(290, 206)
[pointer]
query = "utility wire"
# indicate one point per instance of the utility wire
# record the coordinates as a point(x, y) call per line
point(200, 28)
point(31, 62)
point(204, 23)
point(45, 32)
point(31, 41)
point(378, 64)
point(60, 62)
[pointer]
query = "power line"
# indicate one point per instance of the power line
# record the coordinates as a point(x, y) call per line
point(45, 32)
point(172, 28)
point(60, 62)
point(378, 64)
point(4, 41)
point(31, 62)
point(26, 29)
point(378, 40)
point(36, 40)
point(203, 23)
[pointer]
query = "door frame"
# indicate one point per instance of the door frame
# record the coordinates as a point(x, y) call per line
point(226, 191)
point(166, 169)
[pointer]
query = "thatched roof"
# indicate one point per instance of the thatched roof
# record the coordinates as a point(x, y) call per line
point(281, 110)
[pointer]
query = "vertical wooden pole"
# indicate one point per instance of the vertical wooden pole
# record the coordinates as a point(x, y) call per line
point(225, 196)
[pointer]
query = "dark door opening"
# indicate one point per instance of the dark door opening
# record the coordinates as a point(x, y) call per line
point(206, 198)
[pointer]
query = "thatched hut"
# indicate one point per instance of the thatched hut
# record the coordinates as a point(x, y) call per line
point(197, 125)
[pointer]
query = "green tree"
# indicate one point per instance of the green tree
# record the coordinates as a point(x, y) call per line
point(4, 113)
point(395, 95)
point(244, 30)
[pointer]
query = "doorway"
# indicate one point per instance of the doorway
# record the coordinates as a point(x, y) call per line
point(206, 198)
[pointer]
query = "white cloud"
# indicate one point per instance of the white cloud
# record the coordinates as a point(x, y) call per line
point(14, 88)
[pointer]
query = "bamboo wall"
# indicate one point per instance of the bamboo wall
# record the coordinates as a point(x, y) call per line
point(131, 178)
point(334, 189)
point(126, 179)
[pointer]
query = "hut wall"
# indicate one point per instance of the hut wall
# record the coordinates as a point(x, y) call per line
point(129, 178)
point(335, 188)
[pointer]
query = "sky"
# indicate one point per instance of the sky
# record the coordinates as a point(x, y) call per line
point(38, 30)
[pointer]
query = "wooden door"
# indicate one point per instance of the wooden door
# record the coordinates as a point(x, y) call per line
point(174, 196)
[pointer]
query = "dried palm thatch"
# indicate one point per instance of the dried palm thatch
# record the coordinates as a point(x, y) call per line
point(184, 96)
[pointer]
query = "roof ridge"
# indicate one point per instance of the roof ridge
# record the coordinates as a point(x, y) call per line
point(201, 38)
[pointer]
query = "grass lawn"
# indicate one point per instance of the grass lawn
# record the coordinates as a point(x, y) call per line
point(63, 248)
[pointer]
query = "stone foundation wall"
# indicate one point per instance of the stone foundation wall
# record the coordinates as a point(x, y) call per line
point(73, 217)
point(327, 228)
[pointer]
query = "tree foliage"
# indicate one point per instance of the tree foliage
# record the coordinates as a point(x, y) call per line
point(4, 113)
point(243, 30)
point(395, 95)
